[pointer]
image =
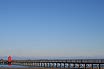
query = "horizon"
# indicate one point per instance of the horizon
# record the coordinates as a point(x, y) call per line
point(49, 57)
point(57, 28)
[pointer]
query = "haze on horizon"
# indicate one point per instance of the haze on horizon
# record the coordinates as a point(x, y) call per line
point(52, 28)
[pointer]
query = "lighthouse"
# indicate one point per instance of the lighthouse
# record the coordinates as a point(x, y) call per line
point(9, 60)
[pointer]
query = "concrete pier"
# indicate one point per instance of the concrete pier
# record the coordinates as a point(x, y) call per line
point(66, 63)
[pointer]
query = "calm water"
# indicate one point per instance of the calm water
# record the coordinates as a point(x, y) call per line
point(19, 66)
point(14, 66)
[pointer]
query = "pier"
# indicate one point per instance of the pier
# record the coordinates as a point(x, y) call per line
point(65, 63)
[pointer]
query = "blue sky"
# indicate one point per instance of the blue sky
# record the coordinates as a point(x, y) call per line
point(52, 27)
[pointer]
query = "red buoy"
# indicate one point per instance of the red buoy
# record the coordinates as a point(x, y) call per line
point(9, 59)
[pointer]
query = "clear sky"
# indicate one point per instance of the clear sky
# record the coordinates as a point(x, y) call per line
point(52, 27)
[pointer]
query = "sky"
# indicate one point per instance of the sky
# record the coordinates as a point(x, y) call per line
point(55, 28)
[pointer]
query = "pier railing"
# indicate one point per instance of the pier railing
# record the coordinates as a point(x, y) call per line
point(101, 61)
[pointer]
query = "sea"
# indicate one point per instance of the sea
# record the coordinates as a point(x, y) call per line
point(20, 66)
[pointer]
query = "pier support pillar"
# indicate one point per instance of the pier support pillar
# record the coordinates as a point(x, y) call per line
point(99, 66)
point(64, 65)
point(60, 65)
point(69, 65)
point(85, 66)
point(91, 66)
point(56, 65)
point(78, 66)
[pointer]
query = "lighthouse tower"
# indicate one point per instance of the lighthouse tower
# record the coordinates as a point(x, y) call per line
point(9, 60)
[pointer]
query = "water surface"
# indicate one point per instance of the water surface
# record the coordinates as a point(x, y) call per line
point(14, 66)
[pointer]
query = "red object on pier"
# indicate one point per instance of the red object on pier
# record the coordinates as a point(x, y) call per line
point(9, 59)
